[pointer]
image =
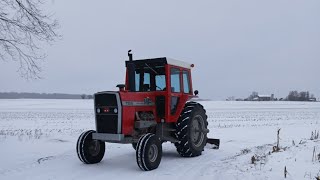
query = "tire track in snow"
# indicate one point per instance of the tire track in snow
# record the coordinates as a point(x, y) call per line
point(36, 163)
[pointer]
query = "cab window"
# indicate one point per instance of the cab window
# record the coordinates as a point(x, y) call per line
point(160, 82)
point(150, 78)
point(186, 82)
point(175, 80)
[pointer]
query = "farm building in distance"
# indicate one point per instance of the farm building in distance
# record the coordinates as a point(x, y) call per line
point(264, 98)
point(313, 99)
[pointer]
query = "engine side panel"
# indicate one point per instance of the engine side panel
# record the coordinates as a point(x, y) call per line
point(133, 102)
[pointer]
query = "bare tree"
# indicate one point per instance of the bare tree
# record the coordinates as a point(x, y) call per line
point(24, 28)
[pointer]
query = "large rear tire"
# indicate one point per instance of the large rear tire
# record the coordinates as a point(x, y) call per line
point(149, 152)
point(90, 151)
point(191, 130)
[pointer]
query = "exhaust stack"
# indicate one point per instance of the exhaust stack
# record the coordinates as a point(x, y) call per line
point(130, 55)
point(131, 73)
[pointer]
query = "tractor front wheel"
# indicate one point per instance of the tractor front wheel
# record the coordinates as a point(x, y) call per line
point(90, 151)
point(149, 152)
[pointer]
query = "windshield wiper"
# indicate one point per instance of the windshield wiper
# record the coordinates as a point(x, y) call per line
point(152, 69)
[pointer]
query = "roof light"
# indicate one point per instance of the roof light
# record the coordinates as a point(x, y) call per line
point(192, 65)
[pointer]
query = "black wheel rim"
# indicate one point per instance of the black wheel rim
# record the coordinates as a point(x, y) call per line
point(94, 147)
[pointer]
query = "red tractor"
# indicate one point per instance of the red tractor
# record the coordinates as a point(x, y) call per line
point(152, 107)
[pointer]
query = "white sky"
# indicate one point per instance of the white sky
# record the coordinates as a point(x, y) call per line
point(237, 46)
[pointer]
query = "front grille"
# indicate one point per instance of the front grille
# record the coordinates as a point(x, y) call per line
point(107, 120)
point(107, 124)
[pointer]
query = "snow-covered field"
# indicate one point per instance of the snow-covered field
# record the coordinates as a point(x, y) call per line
point(38, 139)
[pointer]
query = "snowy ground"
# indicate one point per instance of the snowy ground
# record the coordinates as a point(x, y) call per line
point(38, 138)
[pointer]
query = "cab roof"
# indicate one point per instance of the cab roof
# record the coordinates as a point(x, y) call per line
point(160, 62)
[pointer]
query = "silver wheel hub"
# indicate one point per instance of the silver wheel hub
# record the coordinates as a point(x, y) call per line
point(153, 153)
point(197, 130)
point(94, 148)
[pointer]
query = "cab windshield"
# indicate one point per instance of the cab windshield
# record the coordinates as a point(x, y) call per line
point(150, 78)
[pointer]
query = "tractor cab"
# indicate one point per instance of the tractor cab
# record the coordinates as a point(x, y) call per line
point(157, 74)
point(163, 82)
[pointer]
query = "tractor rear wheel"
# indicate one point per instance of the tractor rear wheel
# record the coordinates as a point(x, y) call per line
point(90, 151)
point(149, 152)
point(191, 130)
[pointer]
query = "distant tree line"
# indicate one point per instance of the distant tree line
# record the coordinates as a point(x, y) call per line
point(299, 96)
point(24, 95)
point(84, 96)
point(293, 96)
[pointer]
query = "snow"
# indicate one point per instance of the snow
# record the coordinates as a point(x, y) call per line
point(38, 141)
point(264, 95)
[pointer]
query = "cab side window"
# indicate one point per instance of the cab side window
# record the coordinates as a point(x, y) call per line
point(175, 88)
point(186, 82)
point(160, 82)
point(175, 80)
point(145, 86)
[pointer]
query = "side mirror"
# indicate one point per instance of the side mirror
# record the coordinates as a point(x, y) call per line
point(196, 92)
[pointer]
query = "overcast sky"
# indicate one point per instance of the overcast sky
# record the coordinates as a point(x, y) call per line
point(237, 46)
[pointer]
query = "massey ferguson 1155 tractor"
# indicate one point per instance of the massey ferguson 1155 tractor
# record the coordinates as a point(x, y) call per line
point(153, 106)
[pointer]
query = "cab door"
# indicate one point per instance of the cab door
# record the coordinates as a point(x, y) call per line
point(176, 90)
point(176, 98)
